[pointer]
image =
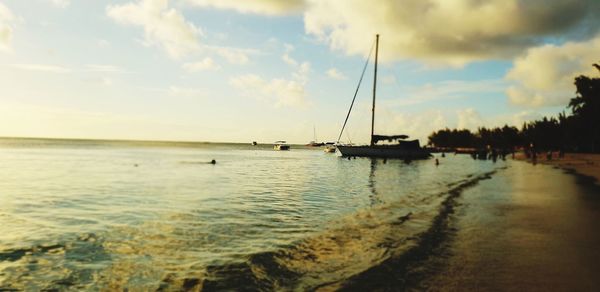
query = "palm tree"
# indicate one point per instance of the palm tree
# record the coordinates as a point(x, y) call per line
point(586, 109)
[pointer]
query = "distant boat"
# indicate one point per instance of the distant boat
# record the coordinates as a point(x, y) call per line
point(314, 142)
point(254, 143)
point(404, 149)
point(330, 147)
point(281, 145)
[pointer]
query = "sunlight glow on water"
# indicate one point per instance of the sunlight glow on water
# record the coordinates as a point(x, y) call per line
point(112, 215)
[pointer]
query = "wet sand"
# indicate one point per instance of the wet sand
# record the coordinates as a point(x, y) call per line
point(528, 228)
point(584, 164)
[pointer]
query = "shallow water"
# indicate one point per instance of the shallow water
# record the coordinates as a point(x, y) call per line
point(78, 214)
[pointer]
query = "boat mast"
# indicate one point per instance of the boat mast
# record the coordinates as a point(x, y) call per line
point(374, 89)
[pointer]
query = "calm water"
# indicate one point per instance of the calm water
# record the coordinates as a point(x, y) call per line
point(92, 214)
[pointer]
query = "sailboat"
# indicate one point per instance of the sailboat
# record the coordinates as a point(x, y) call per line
point(314, 142)
point(404, 149)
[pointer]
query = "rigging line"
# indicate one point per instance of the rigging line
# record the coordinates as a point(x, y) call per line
point(355, 93)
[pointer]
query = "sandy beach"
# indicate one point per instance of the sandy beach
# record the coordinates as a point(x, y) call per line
point(583, 164)
point(529, 228)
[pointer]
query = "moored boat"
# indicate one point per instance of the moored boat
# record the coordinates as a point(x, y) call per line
point(330, 147)
point(404, 149)
point(281, 145)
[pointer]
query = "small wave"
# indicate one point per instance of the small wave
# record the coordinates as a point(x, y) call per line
point(405, 271)
point(373, 250)
point(13, 255)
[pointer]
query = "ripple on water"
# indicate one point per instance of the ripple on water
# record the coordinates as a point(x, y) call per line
point(297, 219)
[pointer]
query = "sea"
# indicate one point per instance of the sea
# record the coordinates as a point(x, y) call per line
point(158, 216)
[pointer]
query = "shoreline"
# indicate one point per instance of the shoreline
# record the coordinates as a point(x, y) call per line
point(526, 229)
point(581, 164)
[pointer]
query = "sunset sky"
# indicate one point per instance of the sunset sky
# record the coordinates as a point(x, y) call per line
point(266, 70)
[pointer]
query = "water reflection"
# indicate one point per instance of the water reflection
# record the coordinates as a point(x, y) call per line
point(374, 198)
point(258, 218)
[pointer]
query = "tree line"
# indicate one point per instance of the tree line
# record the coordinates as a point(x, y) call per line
point(577, 131)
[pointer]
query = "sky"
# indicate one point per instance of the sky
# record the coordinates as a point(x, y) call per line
point(267, 70)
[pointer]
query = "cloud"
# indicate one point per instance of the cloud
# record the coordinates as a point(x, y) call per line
point(103, 43)
point(286, 55)
point(453, 32)
point(6, 29)
point(469, 119)
point(289, 60)
point(544, 75)
point(333, 73)
point(60, 3)
point(27, 120)
point(525, 116)
point(186, 92)
point(282, 92)
point(268, 7)
point(42, 68)
point(415, 125)
point(232, 55)
point(451, 89)
point(103, 68)
point(285, 93)
point(164, 27)
point(205, 64)
point(107, 81)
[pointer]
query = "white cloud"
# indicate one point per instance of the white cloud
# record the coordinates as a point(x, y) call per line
point(469, 119)
point(525, 116)
point(60, 3)
point(288, 48)
point(53, 121)
point(237, 56)
point(301, 75)
point(6, 29)
point(205, 64)
point(544, 75)
point(269, 7)
point(451, 89)
point(415, 125)
point(103, 43)
point(163, 26)
point(232, 55)
point(42, 68)
point(335, 74)
point(107, 81)
point(285, 93)
point(186, 92)
point(289, 60)
point(282, 92)
point(103, 68)
point(453, 32)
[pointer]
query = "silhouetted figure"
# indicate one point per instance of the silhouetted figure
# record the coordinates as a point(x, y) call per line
point(443, 154)
point(437, 162)
point(494, 155)
point(549, 155)
point(213, 162)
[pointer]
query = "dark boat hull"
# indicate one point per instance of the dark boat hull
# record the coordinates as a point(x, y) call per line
point(384, 152)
